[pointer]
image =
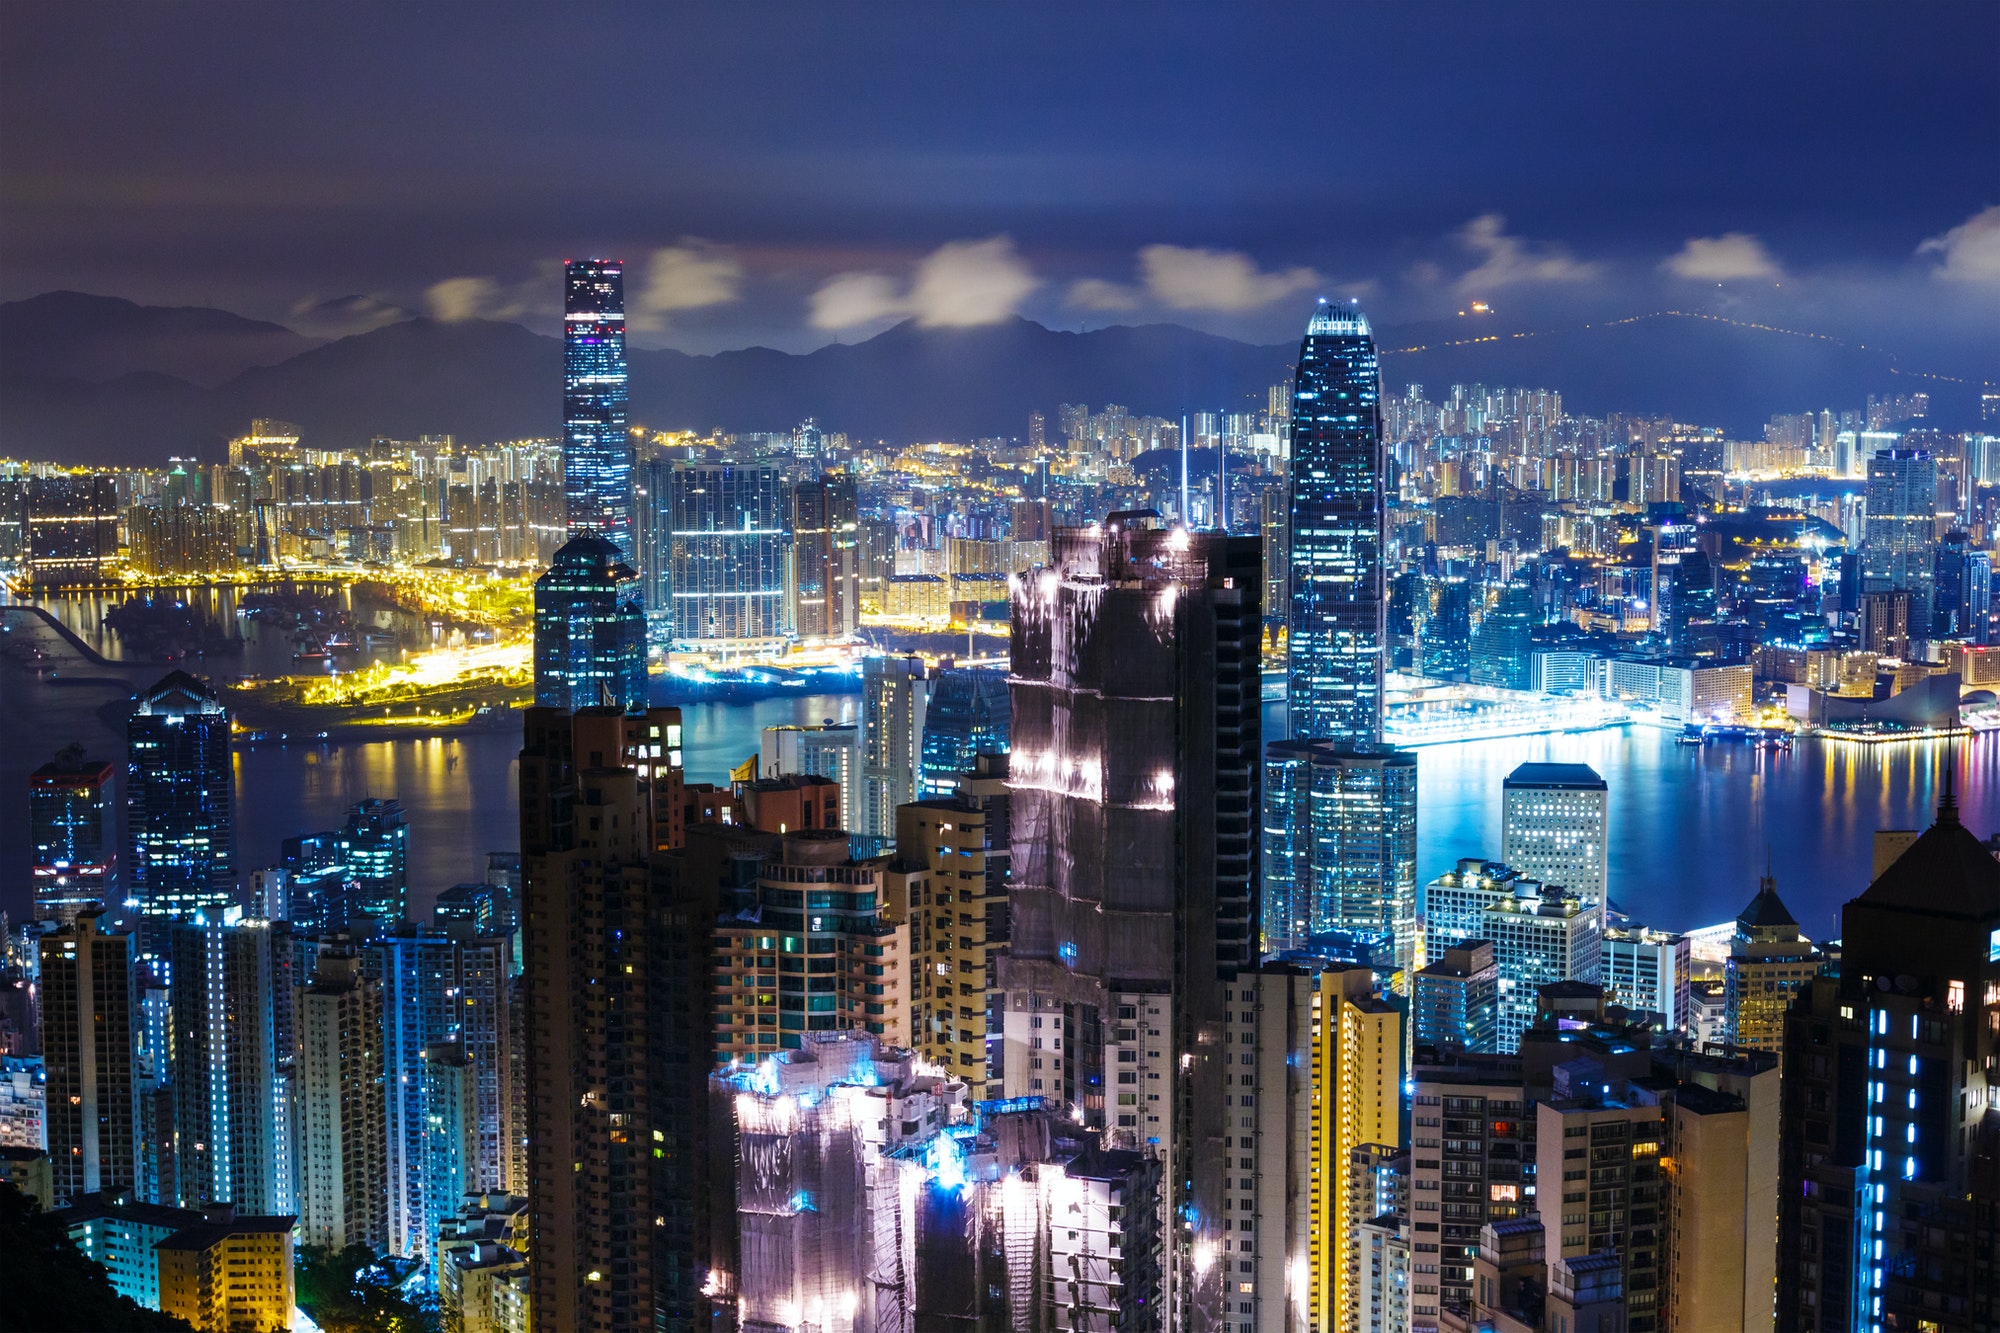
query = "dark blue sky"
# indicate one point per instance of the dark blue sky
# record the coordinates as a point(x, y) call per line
point(787, 174)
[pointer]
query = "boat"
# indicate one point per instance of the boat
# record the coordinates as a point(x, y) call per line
point(1691, 736)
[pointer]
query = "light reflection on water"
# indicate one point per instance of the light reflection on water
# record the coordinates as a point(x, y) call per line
point(1690, 828)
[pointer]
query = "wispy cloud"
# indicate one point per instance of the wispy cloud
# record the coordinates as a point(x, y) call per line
point(1730, 257)
point(1184, 278)
point(690, 275)
point(1227, 281)
point(961, 284)
point(1971, 250)
point(343, 316)
point(1510, 261)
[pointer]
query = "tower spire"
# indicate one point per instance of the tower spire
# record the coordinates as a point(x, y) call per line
point(1948, 805)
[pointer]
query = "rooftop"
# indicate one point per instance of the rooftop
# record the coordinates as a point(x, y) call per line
point(1556, 775)
point(1946, 872)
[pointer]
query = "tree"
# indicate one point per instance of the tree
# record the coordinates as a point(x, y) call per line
point(345, 1292)
point(51, 1286)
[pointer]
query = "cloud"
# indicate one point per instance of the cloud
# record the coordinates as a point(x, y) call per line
point(958, 285)
point(343, 316)
point(1223, 280)
point(1097, 294)
point(1510, 260)
point(1971, 250)
point(687, 276)
point(458, 299)
point(1725, 258)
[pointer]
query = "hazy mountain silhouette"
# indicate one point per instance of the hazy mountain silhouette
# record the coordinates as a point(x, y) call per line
point(93, 379)
point(73, 335)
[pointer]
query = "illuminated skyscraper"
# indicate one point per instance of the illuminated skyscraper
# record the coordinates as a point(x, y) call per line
point(968, 715)
point(71, 822)
point(1133, 904)
point(179, 791)
point(896, 694)
point(726, 534)
point(1337, 535)
point(1552, 823)
point(92, 1096)
point(826, 568)
point(1902, 527)
point(590, 636)
point(597, 451)
point(229, 1114)
point(1340, 852)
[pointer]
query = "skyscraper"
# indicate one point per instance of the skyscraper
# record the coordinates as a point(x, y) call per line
point(1890, 1176)
point(70, 821)
point(1552, 826)
point(597, 451)
point(826, 564)
point(228, 1113)
point(1337, 539)
point(178, 794)
point(896, 694)
point(1769, 960)
point(342, 1186)
point(968, 715)
point(590, 637)
point(600, 794)
point(727, 545)
point(87, 1050)
point(1897, 552)
point(1340, 849)
point(1133, 906)
point(72, 528)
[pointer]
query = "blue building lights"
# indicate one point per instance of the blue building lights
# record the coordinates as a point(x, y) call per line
point(1337, 534)
point(597, 450)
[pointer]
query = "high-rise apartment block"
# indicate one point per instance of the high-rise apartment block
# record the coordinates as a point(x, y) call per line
point(954, 906)
point(230, 1120)
point(1890, 1180)
point(818, 951)
point(1455, 1001)
point(1553, 819)
point(600, 795)
point(590, 636)
point(342, 1180)
point(1337, 538)
point(1133, 769)
point(179, 790)
point(1472, 1147)
point(896, 693)
point(91, 1105)
point(1648, 972)
point(72, 529)
point(73, 827)
point(597, 451)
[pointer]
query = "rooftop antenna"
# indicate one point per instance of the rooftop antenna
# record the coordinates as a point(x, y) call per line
point(1184, 485)
point(1948, 807)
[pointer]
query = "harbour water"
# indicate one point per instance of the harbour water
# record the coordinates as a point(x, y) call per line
point(1691, 828)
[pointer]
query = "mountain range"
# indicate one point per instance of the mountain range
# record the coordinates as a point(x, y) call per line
point(92, 379)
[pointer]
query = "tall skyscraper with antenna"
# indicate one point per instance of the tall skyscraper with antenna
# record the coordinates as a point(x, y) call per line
point(597, 451)
point(1337, 534)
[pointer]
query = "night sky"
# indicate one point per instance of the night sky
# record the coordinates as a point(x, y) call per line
point(788, 174)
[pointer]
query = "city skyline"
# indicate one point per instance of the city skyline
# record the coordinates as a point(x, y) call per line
point(1025, 804)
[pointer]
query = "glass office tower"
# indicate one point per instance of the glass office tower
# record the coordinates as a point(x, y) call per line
point(590, 635)
point(1336, 539)
point(178, 791)
point(1340, 852)
point(597, 451)
point(727, 553)
point(969, 714)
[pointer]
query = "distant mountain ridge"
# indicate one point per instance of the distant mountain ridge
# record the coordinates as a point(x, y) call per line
point(96, 380)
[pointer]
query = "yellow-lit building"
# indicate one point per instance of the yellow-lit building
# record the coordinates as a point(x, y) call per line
point(1769, 959)
point(1357, 1071)
point(229, 1274)
point(939, 885)
point(818, 953)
